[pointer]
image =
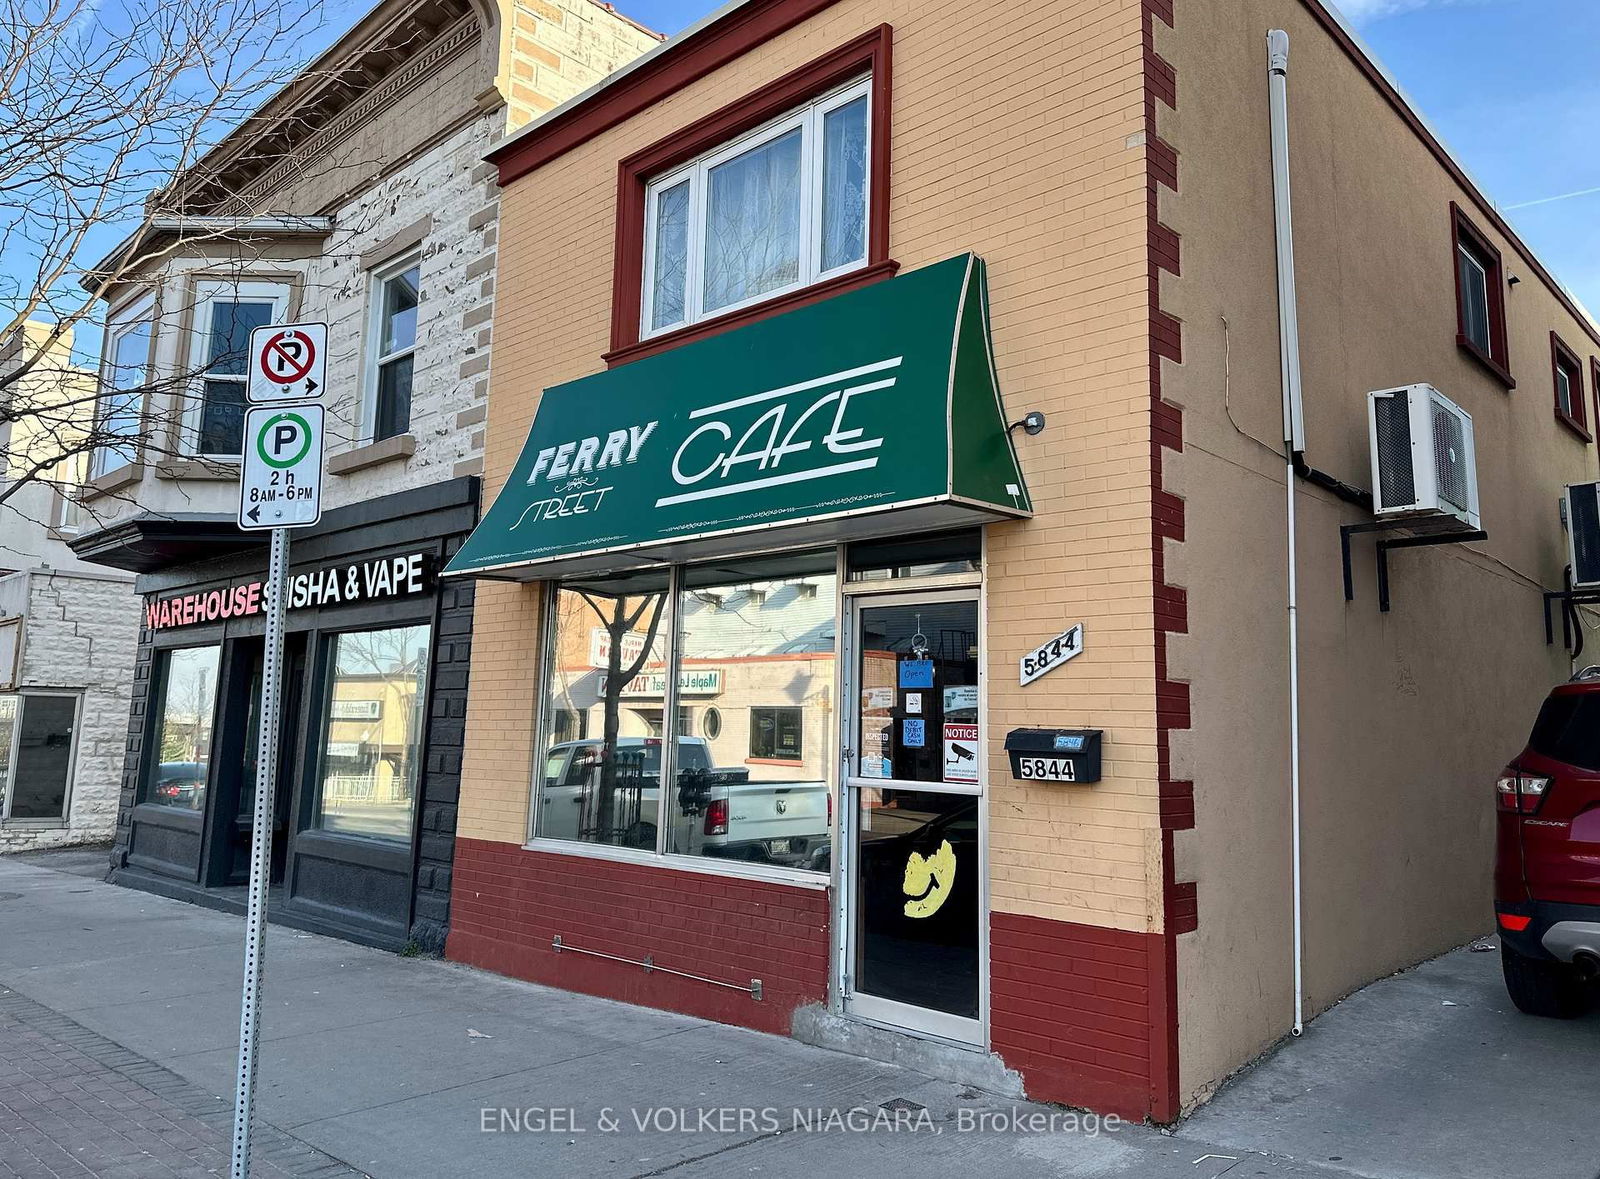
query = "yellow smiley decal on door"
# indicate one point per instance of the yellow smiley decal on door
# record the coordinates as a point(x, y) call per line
point(928, 880)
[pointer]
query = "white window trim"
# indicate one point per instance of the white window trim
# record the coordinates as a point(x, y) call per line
point(22, 696)
point(123, 320)
point(696, 172)
point(207, 293)
point(377, 281)
point(1488, 318)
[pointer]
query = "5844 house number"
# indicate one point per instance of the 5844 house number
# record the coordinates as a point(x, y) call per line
point(1051, 654)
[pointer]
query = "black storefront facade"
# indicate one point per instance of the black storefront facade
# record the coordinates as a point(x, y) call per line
point(375, 685)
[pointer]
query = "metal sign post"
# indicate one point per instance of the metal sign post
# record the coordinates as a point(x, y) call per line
point(280, 487)
point(260, 856)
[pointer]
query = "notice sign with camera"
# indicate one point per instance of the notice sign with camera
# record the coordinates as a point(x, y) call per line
point(960, 752)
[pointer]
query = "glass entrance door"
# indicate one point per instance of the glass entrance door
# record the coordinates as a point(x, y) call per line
point(914, 864)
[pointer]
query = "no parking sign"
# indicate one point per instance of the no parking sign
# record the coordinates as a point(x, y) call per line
point(288, 362)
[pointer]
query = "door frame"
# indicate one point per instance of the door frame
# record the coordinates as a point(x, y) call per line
point(903, 1018)
point(8, 781)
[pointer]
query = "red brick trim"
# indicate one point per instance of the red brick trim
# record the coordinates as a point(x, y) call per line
point(1072, 1009)
point(870, 52)
point(1176, 798)
point(679, 64)
point(508, 903)
point(1410, 118)
point(1498, 358)
point(1563, 356)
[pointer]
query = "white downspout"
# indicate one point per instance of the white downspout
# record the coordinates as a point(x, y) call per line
point(1293, 447)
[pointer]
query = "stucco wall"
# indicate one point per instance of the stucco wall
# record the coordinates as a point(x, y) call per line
point(1043, 175)
point(1408, 715)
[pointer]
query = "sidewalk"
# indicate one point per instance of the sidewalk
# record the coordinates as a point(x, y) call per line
point(118, 1027)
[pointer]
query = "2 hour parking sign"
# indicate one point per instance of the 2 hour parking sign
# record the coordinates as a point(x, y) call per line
point(280, 477)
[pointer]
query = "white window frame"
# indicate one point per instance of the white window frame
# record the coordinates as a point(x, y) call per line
point(696, 172)
point(378, 282)
point(121, 321)
point(1471, 255)
point(6, 798)
point(209, 292)
point(1564, 385)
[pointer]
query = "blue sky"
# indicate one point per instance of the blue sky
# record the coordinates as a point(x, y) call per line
point(1513, 88)
point(1512, 85)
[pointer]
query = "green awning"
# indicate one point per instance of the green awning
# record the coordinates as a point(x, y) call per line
point(873, 413)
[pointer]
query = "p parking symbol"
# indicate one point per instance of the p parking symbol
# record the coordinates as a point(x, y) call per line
point(283, 440)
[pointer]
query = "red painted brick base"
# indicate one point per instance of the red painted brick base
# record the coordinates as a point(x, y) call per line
point(508, 903)
point(1079, 1012)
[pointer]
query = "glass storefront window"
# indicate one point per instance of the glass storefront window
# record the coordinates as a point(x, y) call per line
point(603, 711)
point(937, 555)
point(372, 732)
point(184, 723)
point(756, 673)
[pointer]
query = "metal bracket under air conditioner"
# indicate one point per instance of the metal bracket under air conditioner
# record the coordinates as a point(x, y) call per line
point(1585, 595)
point(1416, 533)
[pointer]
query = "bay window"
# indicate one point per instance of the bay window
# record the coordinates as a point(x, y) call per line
point(784, 206)
point(225, 315)
point(125, 373)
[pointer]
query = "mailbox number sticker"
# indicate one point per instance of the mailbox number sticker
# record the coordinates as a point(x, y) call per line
point(1046, 769)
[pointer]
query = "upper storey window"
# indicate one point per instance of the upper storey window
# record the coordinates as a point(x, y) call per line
point(777, 209)
point(1480, 297)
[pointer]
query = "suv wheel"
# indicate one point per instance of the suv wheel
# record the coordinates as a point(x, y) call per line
point(1552, 989)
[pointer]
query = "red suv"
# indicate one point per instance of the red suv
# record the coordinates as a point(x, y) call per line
point(1547, 856)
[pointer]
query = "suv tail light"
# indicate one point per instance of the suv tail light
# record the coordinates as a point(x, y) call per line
point(1520, 792)
point(717, 817)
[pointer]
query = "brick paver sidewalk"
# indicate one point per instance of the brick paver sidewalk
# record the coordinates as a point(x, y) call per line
point(75, 1104)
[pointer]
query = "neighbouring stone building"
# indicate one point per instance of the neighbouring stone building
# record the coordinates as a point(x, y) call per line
point(356, 197)
point(68, 628)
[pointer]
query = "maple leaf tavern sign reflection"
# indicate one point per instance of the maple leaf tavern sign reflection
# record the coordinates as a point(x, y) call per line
point(872, 413)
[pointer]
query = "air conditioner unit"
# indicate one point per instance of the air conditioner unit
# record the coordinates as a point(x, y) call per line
point(1423, 462)
point(1583, 533)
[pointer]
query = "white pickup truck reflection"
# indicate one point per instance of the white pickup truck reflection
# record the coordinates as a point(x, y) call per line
point(717, 812)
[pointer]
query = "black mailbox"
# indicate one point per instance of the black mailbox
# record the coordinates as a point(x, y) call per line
point(1054, 755)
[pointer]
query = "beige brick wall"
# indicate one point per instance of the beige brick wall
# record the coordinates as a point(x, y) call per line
point(1017, 136)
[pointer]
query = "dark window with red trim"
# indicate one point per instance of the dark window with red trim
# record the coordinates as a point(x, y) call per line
point(1480, 297)
point(1594, 384)
point(1567, 375)
point(774, 201)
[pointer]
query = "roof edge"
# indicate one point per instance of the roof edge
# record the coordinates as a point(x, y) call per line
point(1344, 33)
